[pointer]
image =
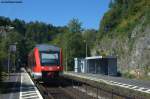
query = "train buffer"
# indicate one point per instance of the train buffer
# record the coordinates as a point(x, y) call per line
point(20, 86)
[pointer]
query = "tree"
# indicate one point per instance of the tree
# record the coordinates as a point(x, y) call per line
point(4, 21)
point(74, 26)
point(89, 37)
point(19, 26)
point(28, 34)
point(74, 43)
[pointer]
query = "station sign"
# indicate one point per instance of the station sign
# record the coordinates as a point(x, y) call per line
point(12, 48)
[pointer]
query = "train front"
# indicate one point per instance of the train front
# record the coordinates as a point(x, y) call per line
point(51, 64)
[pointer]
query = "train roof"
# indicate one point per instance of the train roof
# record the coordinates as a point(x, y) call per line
point(47, 47)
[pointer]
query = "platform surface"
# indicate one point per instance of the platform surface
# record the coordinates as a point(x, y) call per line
point(20, 86)
point(10, 88)
point(27, 89)
point(138, 85)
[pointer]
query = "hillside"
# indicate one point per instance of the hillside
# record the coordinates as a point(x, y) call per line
point(125, 33)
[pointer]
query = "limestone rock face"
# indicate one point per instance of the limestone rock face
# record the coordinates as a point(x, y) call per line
point(132, 52)
point(140, 55)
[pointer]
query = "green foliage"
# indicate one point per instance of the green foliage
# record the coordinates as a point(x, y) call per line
point(4, 21)
point(72, 43)
point(89, 37)
point(121, 27)
point(37, 31)
point(26, 35)
point(122, 16)
point(70, 38)
point(19, 26)
point(74, 26)
point(128, 75)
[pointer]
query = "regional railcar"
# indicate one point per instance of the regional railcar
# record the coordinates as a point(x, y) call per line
point(45, 62)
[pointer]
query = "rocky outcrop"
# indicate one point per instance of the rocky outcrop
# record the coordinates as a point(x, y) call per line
point(133, 52)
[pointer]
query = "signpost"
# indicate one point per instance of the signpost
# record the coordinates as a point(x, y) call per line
point(12, 49)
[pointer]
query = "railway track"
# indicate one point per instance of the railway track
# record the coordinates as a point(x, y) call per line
point(61, 90)
point(58, 94)
point(56, 91)
point(66, 88)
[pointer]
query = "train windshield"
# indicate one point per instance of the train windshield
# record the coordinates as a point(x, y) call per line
point(49, 59)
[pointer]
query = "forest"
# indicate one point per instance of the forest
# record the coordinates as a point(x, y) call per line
point(72, 38)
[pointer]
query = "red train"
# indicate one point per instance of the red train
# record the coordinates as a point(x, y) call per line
point(45, 62)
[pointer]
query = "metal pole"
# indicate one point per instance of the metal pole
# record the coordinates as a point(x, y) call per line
point(107, 67)
point(108, 70)
point(112, 94)
point(66, 63)
point(66, 60)
point(14, 62)
point(95, 67)
point(97, 92)
point(86, 47)
point(8, 62)
point(86, 55)
point(86, 89)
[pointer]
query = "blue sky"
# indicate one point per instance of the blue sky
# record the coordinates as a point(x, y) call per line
point(58, 12)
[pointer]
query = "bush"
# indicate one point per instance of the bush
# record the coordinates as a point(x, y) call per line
point(119, 74)
point(128, 75)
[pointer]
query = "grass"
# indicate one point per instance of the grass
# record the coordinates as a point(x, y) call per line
point(3, 77)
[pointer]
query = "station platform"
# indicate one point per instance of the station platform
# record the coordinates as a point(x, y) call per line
point(137, 85)
point(20, 86)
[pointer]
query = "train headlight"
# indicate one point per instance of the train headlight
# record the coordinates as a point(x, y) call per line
point(58, 67)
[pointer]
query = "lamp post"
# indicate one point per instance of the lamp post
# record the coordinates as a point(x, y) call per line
point(86, 54)
point(85, 48)
point(66, 59)
point(8, 61)
point(12, 48)
point(3, 32)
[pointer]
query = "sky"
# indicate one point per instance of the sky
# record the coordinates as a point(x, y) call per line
point(57, 12)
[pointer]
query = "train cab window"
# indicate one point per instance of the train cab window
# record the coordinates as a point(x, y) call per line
point(49, 58)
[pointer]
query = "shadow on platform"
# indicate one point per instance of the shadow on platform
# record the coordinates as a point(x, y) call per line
point(9, 87)
point(14, 87)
